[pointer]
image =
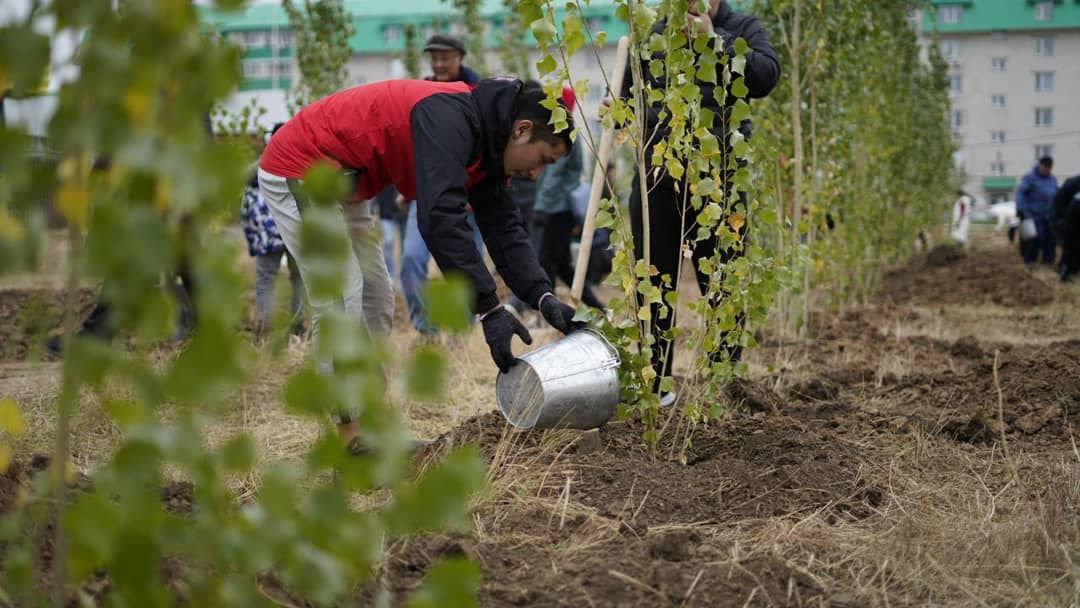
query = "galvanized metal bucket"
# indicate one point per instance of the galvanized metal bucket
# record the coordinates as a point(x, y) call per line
point(571, 383)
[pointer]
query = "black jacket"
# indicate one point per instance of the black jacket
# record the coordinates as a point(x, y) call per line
point(761, 74)
point(452, 134)
point(1066, 194)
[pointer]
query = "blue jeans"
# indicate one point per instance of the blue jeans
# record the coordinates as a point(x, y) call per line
point(389, 239)
point(1045, 242)
point(414, 267)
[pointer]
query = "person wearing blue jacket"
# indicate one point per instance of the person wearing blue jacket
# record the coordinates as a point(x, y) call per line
point(1035, 201)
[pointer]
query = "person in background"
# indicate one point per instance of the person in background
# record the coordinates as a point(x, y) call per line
point(391, 224)
point(666, 212)
point(1067, 218)
point(267, 248)
point(601, 256)
point(1035, 201)
point(961, 218)
point(554, 211)
point(101, 322)
point(446, 55)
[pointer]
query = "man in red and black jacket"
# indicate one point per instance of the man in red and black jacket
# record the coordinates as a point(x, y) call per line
point(444, 145)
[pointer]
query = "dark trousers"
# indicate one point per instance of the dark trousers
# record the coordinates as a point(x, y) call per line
point(1045, 242)
point(558, 229)
point(1070, 241)
point(667, 233)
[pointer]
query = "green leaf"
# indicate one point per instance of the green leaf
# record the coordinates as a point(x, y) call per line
point(738, 88)
point(449, 303)
point(238, 454)
point(546, 65)
point(439, 499)
point(425, 374)
point(452, 581)
point(604, 219)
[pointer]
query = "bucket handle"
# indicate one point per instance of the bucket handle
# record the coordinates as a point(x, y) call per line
point(614, 360)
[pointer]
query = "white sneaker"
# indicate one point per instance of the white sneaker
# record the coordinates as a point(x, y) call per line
point(667, 399)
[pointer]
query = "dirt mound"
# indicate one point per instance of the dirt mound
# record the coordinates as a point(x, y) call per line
point(27, 316)
point(635, 515)
point(944, 255)
point(947, 277)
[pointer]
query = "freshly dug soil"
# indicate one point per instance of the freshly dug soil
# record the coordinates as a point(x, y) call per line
point(619, 526)
point(949, 276)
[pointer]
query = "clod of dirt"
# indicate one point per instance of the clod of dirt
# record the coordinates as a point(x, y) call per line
point(178, 497)
point(753, 396)
point(966, 348)
point(969, 429)
point(1035, 421)
point(672, 546)
point(944, 255)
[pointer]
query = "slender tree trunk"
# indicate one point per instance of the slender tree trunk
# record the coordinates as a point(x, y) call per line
point(794, 52)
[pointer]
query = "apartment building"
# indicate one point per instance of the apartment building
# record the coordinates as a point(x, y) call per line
point(1014, 79)
point(269, 67)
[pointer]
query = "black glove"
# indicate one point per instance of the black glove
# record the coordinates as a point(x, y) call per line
point(559, 315)
point(499, 328)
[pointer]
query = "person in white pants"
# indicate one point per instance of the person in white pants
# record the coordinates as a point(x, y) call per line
point(367, 290)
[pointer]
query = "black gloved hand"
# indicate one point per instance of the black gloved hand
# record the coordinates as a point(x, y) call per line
point(499, 328)
point(558, 314)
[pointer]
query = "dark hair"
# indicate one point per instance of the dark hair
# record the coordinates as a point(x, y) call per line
point(530, 108)
point(1046, 161)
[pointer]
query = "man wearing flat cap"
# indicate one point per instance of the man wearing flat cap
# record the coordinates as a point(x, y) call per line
point(446, 54)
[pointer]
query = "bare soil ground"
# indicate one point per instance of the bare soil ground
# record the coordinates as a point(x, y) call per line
point(920, 450)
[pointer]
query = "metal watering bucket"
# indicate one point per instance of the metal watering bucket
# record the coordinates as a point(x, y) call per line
point(571, 383)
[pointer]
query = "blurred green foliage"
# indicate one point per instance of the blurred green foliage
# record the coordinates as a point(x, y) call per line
point(139, 179)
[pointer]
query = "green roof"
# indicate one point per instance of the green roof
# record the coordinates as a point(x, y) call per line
point(1003, 15)
point(371, 19)
point(999, 184)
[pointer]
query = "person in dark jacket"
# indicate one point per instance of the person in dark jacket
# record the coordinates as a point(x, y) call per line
point(1067, 218)
point(442, 145)
point(1035, 201)
point(446, 54)
point(666, 212)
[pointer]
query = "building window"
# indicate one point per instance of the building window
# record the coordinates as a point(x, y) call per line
point(1044, 150)
point(950, 13)
point(997, 64)
point(1044, 11)
point(284, 69)
point(997, 101)
point(951, 51)
point(997, 168)
point(957, 119)
point(284, 39)
point(997, 137)
point(256, 68)
point(1044, 82)
point(956, 85)
point(1044, 46)
point(392, 34)
point(1044, 117)
point(256, 39)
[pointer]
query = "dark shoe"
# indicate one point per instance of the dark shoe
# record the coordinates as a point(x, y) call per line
point(54, 347)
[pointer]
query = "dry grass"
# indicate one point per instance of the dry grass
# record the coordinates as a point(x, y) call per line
point(953, 529)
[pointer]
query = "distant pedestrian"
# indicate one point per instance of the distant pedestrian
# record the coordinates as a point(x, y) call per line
point(961, 218)
point(1035, 202)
